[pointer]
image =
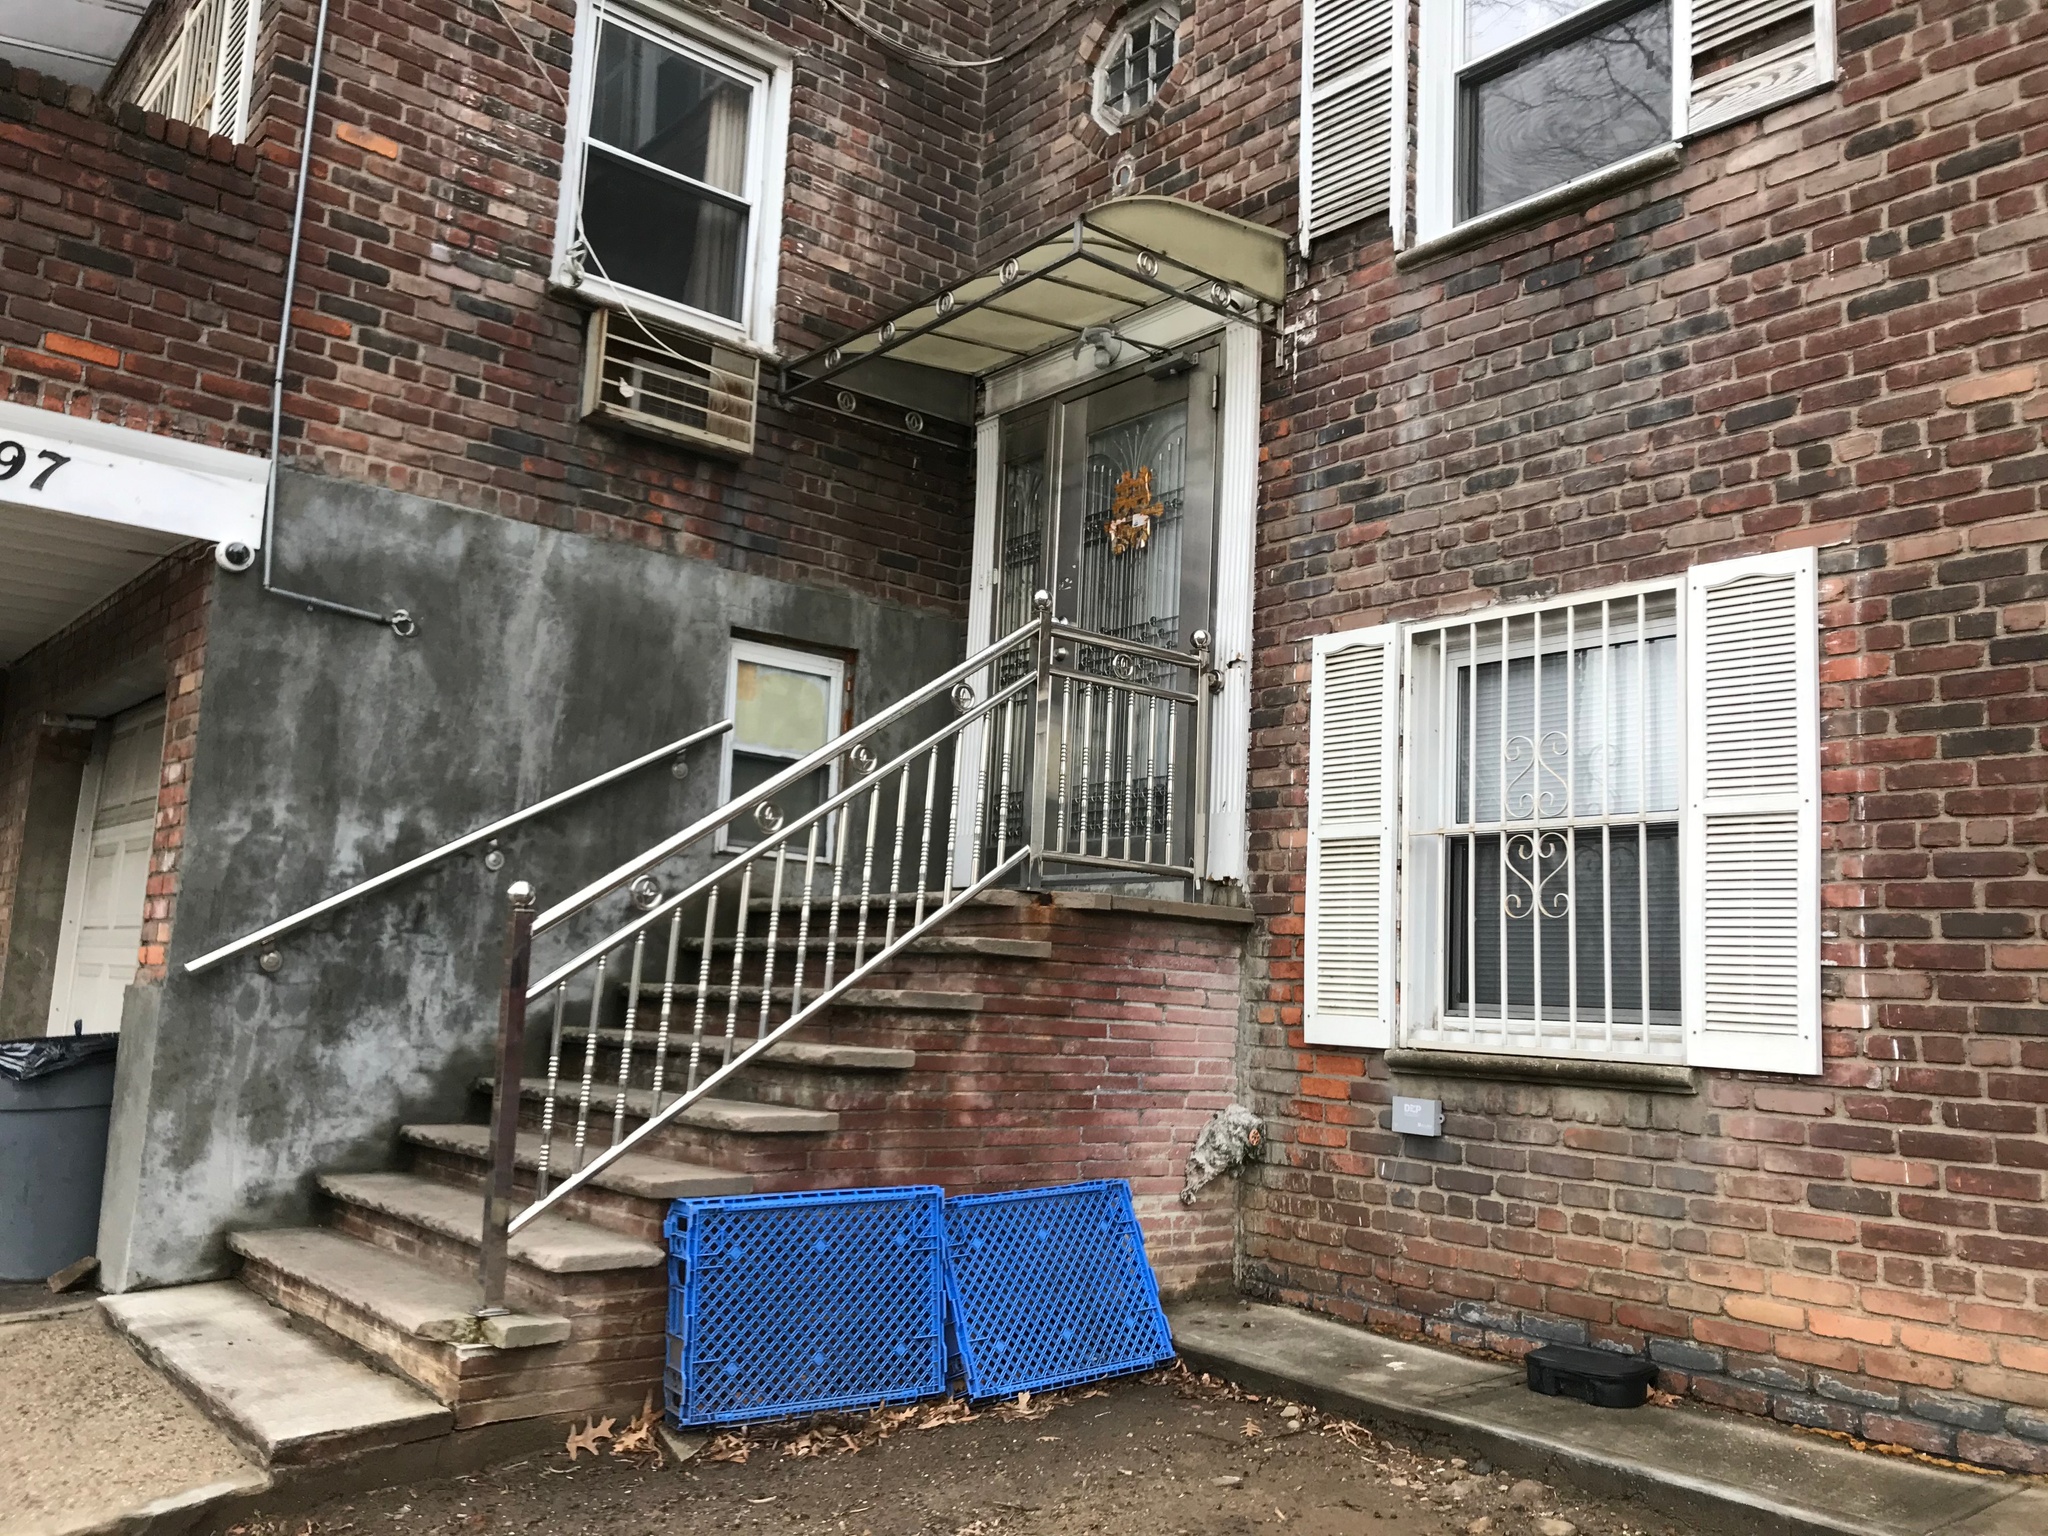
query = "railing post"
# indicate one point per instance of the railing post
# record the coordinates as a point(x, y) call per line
point(1041, 741)
point(1208, 681)
point(505, 1097)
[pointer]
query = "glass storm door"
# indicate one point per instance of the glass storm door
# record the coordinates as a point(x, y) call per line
point(1108, 504)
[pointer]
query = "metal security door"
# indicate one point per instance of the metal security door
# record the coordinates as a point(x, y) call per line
point(1107, 503)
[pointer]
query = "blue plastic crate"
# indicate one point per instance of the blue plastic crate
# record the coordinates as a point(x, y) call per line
point(1051, 1287)
point(781, 1305)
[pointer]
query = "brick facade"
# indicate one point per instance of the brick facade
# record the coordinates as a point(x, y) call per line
point(1824, 329)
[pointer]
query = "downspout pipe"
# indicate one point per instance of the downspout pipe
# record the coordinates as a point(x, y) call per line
point(399, 621)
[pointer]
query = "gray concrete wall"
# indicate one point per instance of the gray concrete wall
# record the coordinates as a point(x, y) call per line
point(328, 751)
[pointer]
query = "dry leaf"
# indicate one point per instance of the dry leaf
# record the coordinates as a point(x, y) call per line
point(1252, 1430)
point(586, 1438)
point(728, 1447)
point(952, 1411)
point(637, 1438)
point(1023, 1409)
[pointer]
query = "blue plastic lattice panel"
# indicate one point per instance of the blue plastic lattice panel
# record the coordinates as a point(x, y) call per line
point(790, 1304)
point(1051, 1287)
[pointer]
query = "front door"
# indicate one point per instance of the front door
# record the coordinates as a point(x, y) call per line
point(109, 880)
point(1108, 503)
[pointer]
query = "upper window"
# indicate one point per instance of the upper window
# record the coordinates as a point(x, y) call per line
point(672, 189)
point(1583, 829)
point(202, 75)
point(1526, 95)
point(1135, 65)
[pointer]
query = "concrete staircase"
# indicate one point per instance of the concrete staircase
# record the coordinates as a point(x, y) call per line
point(362, 1332)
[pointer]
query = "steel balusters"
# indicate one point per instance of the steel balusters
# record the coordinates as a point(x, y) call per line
point(1025, 799)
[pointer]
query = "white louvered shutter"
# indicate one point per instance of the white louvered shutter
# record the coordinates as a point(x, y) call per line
point(1746, 56)
point(1752, 829)
point(236, 68)
point(1347, 113)
point(1349, 974)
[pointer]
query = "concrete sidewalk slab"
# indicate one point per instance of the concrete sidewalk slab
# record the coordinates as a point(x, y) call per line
point(92, 1439)
point(1719, 1472)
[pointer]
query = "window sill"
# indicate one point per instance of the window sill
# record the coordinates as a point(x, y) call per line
point(1647, 166)
point(596, 293)
point(1560, 1071)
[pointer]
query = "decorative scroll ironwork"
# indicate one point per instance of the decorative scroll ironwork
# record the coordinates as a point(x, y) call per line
point(1544, 892)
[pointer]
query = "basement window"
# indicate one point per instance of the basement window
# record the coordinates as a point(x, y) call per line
point(1135, 65)
point(672, 182)
point(1523, 96)
point(784, 705)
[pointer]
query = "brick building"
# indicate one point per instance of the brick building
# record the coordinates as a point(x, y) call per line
point(1589, 455)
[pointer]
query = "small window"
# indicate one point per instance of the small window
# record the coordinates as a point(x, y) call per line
point(1135, 65)
point(672, 188)
point(1526, 95)
point(784, 705)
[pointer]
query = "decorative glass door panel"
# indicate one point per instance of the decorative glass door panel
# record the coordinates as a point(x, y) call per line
point(1107, 503)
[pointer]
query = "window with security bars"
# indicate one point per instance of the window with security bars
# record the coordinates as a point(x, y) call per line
point(1586, 828)
point(1135, 65)
point(1546, 811)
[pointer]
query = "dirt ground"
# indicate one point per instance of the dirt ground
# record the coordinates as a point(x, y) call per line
point(1165, 1455)
point(87, 1430)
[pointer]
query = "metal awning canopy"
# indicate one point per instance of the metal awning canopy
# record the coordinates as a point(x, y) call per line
point(1113, 262)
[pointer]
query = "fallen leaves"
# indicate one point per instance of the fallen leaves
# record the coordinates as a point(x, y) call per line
point(587, 1438)
point(1252, 1430)
point(1022, 1409)
point(953, 1410)
point(729, 1447)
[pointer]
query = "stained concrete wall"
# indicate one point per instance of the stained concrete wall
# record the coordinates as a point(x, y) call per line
point(49, 819)
point(328, 751)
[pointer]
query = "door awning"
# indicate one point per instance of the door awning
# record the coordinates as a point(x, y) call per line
point(1064, 289)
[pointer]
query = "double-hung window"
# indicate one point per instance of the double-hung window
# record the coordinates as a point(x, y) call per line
point(1587, 828)
point(672, 185)
point(1514, 99)
point(1520, 96)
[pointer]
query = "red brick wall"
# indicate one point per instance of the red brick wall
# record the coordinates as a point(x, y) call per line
point(144, 277)
point(1103, 1062)
point(1825, 329)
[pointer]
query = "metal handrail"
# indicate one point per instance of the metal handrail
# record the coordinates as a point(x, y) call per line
point(840, 746)
point(877, 876)
point(410, 867)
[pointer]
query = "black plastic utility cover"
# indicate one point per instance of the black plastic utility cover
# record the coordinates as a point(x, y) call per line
point(1596, 1376)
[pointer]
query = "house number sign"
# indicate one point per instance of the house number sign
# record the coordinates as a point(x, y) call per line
point(51, 462)
point(13, 456)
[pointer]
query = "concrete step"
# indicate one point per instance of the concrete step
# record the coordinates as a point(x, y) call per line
point(739, 1117)
point(392, 1292)
point(812, 1055)
point(283, 1394)
point(635, 1174)
point(554, 1244)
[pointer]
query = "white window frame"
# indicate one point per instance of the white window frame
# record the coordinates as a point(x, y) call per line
point(831, 668)
point(1439, 68)
point(1422, 1001)
point(1118, 40)
point(1749, 986)
point(765, 68)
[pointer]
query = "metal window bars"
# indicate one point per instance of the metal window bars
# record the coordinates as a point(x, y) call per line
point(652, 1018)
point(1549, 818)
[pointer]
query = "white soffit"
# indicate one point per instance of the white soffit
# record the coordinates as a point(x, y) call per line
point(86, 507)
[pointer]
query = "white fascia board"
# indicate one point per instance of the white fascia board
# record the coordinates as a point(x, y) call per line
point(134, 479)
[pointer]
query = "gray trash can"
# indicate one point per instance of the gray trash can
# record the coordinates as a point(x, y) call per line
point(53, 1152)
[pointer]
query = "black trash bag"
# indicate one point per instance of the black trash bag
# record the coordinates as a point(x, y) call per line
point(23, 1061)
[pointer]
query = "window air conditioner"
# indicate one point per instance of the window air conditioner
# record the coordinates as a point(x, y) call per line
point(641, 376)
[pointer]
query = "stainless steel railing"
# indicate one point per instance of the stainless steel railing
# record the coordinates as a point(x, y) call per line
point(265, 938)
point(1063, 748)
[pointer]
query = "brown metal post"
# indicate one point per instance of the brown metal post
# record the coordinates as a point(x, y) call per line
point(505, 1096)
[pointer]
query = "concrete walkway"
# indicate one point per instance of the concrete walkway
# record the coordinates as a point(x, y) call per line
point(93, 1440)
point(1717, 1472)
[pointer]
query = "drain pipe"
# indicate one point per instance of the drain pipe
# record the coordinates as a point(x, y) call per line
point(399, 621)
